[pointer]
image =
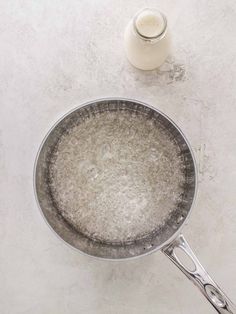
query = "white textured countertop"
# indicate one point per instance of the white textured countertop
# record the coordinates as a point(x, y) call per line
point(55, 55)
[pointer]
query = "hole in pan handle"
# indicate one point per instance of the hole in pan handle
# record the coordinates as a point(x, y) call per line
point(198, 275)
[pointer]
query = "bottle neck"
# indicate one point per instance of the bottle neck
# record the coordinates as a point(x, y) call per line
point(150, 24)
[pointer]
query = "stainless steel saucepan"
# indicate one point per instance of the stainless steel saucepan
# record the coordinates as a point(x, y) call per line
point(98, 175)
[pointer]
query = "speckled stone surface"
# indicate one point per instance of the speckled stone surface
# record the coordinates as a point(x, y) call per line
point(56, 55)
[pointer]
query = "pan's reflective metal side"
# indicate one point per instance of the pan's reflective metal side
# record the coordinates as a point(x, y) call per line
point(154, 240)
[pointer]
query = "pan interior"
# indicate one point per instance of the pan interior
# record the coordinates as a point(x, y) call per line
point(117, 177)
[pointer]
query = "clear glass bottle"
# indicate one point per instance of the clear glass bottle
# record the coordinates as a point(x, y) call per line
point(147, 39)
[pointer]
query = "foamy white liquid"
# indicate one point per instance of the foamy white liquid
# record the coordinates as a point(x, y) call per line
point(116, 177)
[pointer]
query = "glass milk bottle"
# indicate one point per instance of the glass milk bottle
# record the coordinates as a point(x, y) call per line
point(147, 39)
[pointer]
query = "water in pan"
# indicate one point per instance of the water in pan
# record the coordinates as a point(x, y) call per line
point(117, 176)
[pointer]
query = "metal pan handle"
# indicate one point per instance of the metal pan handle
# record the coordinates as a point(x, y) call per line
point(199, 276)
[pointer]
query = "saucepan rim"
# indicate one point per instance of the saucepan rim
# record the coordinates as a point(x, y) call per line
point(176, 233)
